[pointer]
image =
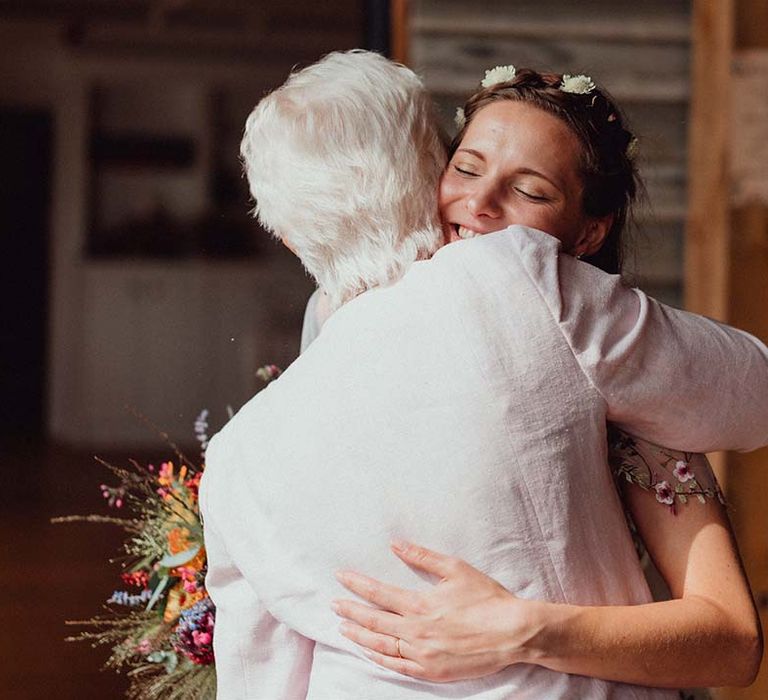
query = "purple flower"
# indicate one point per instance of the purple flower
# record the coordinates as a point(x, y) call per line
point(130, 600)
point(683, 471)
point(194, 633)
point(201, 430)
point(664, 493)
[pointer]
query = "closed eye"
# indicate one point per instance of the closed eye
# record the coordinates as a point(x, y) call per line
point(463, 171)
point(532, 197)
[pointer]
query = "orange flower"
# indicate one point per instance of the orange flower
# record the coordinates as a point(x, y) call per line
point(178, 540)
point(194, 564)
point(174, 603)
point(179, 600)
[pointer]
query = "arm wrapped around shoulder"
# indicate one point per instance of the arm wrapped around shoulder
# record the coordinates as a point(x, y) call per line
point(669, 376)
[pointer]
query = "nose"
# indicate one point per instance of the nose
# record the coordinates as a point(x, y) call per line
point(483, 202)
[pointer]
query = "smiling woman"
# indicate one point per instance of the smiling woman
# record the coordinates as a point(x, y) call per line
point(518, 164)
point(547, 151)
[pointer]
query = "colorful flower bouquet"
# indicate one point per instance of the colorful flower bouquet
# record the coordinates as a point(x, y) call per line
point(160, 624)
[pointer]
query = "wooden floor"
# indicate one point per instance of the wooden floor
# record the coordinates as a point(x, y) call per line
point(52, 573)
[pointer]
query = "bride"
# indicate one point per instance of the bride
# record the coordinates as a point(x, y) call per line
point(463, 407)
point(546, 150)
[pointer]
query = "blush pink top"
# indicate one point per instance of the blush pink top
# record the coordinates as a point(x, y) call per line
point(463, 408)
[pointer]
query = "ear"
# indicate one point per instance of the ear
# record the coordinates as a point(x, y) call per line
point(593, 235)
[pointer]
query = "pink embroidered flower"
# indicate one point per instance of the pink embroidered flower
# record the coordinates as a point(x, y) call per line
point(664, 493)
point(683, 471)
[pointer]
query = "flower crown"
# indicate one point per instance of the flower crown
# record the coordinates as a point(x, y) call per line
point(574, 84)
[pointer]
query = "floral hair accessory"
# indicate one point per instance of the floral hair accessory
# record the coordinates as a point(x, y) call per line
point(460, 120)
point(499, 74)
point(633, 148)
point(577, 84)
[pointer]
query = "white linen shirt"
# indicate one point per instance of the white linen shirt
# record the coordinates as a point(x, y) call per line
point(463, 408)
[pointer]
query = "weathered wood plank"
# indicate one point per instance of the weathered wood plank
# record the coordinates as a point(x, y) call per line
point(649, 21)
point(644, 72)
point(707, 239)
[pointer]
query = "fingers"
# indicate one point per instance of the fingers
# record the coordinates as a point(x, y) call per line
point(380, 594)
point(383, 643)
point(425, 559)
point(372, 619)
point(407, 667)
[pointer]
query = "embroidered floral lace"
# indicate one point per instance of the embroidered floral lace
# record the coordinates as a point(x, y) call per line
point(675, 477)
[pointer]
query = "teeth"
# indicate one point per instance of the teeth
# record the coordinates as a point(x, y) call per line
point(466, 233)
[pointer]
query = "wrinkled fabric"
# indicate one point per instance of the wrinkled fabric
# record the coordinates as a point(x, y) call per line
point(315, 315)
point(463, 408)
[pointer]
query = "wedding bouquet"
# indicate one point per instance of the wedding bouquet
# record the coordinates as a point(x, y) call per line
point(160, 623)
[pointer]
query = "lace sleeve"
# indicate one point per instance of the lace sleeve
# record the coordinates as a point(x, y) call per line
point(676, 477)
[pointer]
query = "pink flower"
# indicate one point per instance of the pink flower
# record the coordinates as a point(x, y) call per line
point(268, 373)
point(682, 471)
point(664, 493)
point(144, 646)
point(201, 638)
point(166, 470)
point(193, 636)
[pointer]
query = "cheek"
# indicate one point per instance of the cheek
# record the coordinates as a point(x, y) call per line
point(538, 217)
point(448, 192)
point(527, 214)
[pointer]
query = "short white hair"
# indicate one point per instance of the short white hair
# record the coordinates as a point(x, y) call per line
point(343, 162)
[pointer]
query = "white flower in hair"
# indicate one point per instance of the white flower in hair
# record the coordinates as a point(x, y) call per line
point(460, 120)
point(577, 84)
point(499, 74)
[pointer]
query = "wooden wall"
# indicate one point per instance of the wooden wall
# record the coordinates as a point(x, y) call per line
point(639, 51)
point(727, 254)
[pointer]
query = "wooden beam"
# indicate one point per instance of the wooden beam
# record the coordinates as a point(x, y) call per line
point(707, 244)
point(399, 30)
point(726, 262)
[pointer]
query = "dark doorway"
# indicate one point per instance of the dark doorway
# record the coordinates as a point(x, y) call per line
point(26, 139)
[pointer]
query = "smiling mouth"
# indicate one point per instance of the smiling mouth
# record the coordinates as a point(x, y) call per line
point(464, 232)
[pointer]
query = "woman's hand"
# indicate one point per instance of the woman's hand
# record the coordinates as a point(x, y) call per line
point(467, 626)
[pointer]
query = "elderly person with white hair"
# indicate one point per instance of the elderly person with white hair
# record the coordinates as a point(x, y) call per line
point(456, 397)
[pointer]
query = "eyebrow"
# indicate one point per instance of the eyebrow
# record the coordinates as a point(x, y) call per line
point(536, 173)
point(471, 152)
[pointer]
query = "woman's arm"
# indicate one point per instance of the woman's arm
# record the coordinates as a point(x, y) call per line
point(708, 635)
point(468, 625)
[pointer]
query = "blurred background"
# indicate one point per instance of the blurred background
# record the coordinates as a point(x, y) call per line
point(135, 280)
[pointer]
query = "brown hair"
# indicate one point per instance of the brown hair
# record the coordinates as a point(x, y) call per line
point(610, 178)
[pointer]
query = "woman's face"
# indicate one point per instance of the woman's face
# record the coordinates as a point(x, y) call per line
point(517, 165)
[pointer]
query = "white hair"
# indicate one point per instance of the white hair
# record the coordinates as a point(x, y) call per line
point(343, 162)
